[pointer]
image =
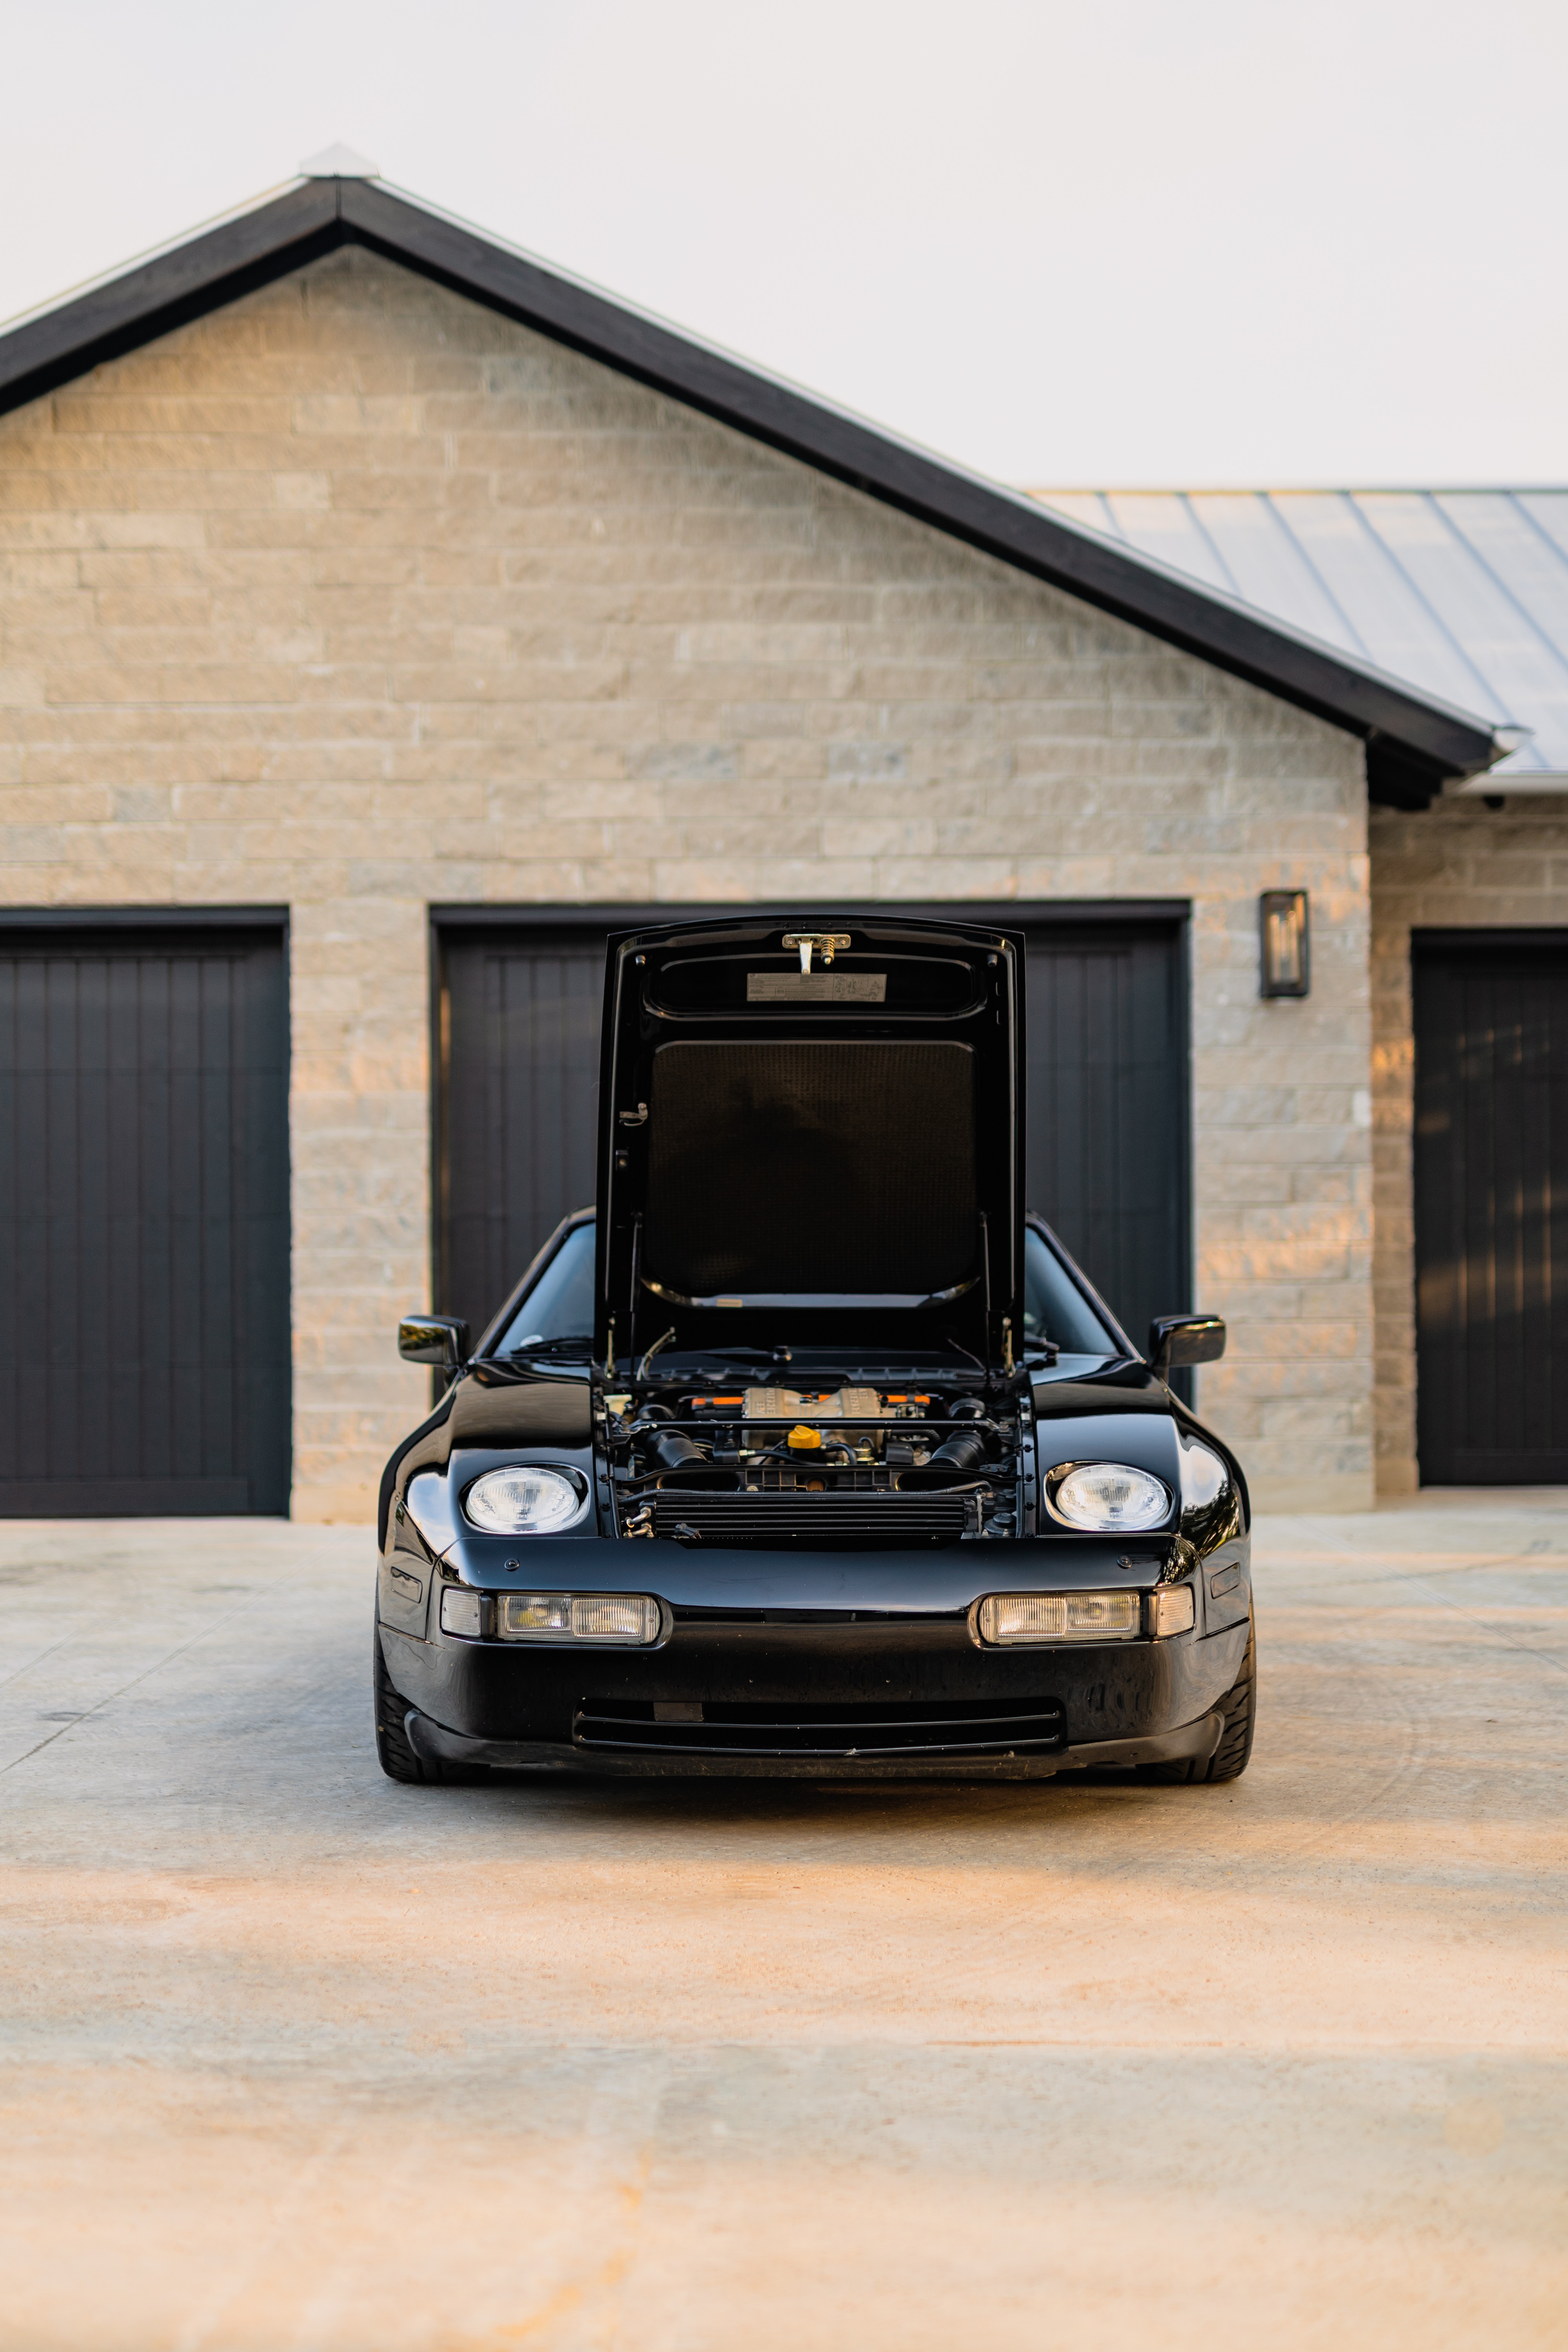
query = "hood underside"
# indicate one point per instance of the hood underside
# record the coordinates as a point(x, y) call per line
point(804, 1121)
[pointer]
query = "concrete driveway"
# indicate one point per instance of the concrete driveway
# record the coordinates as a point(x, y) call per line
point(297, 2058)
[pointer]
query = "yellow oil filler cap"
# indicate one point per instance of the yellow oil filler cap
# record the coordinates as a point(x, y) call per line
point(802, 1440)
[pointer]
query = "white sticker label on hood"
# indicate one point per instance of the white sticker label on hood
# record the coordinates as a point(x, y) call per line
point(817, 987)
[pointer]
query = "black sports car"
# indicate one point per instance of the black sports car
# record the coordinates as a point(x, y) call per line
point(809, 1452)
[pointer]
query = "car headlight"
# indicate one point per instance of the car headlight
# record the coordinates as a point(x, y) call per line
point(577, 1617)
point(527, 1500)
point(1107, 1498)
point(1011, 1617)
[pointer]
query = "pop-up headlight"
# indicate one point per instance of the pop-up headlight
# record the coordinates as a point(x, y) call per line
point(1107, 1498)
point(526, 1500)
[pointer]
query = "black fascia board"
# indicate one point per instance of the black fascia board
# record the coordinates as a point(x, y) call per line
point(88, 918)
point(185, 281)
point(1396, 778)
point(1488, 939)
point(638, 914)
point(1414, 744)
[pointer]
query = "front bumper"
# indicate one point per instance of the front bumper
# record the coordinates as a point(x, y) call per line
point(868, 1634)
point(434, 1743)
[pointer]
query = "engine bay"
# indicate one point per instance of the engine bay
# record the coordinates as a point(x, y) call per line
point(927, 1463)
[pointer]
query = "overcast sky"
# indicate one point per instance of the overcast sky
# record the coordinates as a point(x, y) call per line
point(1119, 242)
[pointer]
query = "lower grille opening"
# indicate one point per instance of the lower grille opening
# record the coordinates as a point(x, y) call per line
point(692, 1516)
point(848, 1727)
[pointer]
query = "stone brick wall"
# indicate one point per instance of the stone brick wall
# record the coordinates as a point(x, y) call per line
point(1459, 865)
point(355, 597)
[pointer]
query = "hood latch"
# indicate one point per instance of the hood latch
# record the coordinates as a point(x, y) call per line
point(828, 941)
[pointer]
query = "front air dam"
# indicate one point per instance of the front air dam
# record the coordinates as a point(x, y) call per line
point(434, 1744)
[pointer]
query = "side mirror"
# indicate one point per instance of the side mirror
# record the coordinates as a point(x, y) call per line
point(438, 1339)
point(1184, 1339)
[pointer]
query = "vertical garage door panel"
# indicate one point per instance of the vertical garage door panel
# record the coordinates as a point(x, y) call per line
point(191, 1084)
point(92, 1268)
point(26, 1356)
point(138, 1395)
point(1108, 1109)
point(1491, 1209)
point(1107, 1116)
point(1497, 1239)
point(521, 1087)
point(18, 1401)
point(1539, 1218)
point(259, 1075)
point(1069, 1134)
point(219, 1216)
point(144, 1203)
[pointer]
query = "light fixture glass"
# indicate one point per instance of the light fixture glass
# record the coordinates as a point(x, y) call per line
point(1107, 1498)
point(523, 1615)
point(1013, 1617)
point(1171, 1609)
point(1284, 943)
point(615, 1617)
point(526, 1500)
point(460, 1613)
point(626, 1617)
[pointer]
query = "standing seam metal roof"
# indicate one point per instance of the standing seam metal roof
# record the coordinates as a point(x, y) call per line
point(1463, 593)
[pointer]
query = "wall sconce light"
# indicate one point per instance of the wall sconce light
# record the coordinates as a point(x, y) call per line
point(1285, 943)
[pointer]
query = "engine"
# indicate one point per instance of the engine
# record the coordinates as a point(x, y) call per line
point(831, 1467)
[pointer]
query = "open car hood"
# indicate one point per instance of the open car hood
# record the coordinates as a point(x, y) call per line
point(832, 1155)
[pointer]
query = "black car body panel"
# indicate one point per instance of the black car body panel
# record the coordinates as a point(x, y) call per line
point(814, 1397)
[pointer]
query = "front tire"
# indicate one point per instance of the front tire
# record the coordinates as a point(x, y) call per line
point(392, 1751)
point(1239, 1708)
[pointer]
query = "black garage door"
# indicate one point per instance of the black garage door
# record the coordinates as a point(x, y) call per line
point(143, 1219)
point(1108, 1151)
point(1108, 1155)
point(517, 1094)
point(1491, 1207)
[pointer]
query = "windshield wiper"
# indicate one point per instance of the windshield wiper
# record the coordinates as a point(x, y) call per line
point(716, 1363)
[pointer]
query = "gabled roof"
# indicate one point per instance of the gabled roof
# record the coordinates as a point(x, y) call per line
point(1416, 739)
point(1465, 593)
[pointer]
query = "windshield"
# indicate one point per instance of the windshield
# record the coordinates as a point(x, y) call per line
point(1054, 1307)
point(561, 1304)
point(560, 1307)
